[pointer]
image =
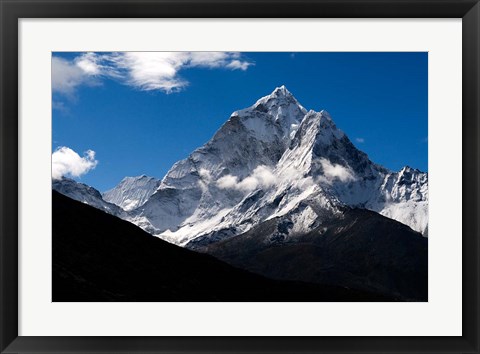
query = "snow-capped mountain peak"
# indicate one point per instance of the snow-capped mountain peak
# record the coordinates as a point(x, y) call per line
point(85, 194)
point(278, 94)
point(281, 91)
point(132, 192)
point(276, 159)
point(271, 160)
point(280, 109)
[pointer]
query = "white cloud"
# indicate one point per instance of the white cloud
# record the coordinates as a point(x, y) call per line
point(247, 184)
point(360, 140)
point(88, 63)
point(66, 162)
point(147, 71)
point(232, 60)
point(66, 76)
point(205, 174)
point(237, 64)
point(261, 177)
point(332, 171)
point(227, 182)
point(264, 176)
point(205, 178)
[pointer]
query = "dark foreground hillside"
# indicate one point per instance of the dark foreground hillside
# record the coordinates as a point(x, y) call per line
point(99, 257)
point(360, 249)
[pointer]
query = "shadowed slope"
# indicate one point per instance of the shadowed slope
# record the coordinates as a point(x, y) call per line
point(99, 257)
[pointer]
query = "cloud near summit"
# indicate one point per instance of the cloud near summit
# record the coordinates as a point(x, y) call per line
point(262, 176)
point(146, 71)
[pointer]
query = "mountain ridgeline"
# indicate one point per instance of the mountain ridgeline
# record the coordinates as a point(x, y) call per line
point(282, 192)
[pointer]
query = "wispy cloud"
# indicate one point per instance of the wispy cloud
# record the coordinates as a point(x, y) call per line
point(146, 71)
point(205, 179)
point(238, 65)
point(90, 64)
point(360, 140)
point(261, 177)
point(67, 76)
point(333, 171)
point(66, 162)
point(227, 182)
point(60, 106)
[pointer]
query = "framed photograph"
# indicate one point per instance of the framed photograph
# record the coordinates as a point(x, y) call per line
point(239, 177)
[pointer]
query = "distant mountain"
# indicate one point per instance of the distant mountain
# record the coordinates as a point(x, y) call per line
point(132, 192)
point(99, 257)
point(270, 160)
point(85, 194)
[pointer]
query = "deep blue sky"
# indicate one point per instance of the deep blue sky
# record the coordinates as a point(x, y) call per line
point(377, 98)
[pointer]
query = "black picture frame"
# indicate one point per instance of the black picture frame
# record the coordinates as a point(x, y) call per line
point(13, 10)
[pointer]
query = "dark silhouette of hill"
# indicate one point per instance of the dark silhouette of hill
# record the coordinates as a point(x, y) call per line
point(99, 257)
